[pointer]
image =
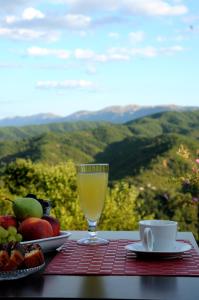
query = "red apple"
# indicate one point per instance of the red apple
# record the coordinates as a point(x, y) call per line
point(35, 228)
point(6, 221)
point(54, 223)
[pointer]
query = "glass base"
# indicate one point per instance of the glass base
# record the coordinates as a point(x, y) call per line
point(92, 242)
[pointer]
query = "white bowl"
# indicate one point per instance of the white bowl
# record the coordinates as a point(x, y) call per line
point(51, 243)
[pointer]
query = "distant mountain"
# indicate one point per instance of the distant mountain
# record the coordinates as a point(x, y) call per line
point(123, 114)
point(30, 120)
point(113, 114)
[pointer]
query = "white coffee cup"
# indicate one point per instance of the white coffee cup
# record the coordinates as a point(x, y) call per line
point(158, 235)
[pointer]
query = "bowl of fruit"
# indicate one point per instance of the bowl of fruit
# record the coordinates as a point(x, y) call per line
point(17, 261)
point(32, 223)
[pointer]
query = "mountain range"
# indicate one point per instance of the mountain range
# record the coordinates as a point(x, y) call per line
point(113, 114)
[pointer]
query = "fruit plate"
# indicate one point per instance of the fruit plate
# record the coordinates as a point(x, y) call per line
point(51, 243)
point(17, 274)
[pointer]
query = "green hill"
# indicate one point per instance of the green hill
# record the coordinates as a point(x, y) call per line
point(168, 122)
point(58, 145)
point(26, 132)
point(133, 149)
point(146, 159)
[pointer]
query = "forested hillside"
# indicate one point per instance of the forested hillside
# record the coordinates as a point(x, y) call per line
point(90, 141)
point(150, 160)
point(170, 122)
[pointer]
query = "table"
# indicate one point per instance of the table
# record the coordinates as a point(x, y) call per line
point(104, 287)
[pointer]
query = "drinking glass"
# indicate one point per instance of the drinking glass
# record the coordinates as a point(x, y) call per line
point(92, 181)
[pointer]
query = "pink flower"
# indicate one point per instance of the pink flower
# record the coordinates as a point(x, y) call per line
point(197, 160)
point(195, 199)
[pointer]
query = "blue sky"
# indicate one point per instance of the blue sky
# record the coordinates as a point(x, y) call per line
point(62, 56)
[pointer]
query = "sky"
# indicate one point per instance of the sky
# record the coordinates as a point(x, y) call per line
point(63, 56)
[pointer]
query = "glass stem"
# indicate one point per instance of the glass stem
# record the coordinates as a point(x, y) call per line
point(92, 230)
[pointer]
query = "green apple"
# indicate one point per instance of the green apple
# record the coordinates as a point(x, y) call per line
point(27, 207)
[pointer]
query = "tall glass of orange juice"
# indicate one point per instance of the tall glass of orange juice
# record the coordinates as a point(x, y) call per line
point(92, 181)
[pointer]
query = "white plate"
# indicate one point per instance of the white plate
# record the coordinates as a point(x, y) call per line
point(178, 249)
point(50, 244)
point(12, 275)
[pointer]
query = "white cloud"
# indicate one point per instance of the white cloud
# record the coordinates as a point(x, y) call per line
point(22, 33)
point(87, 54)
point(118, 56)
point(136, 37)
point(91, 5)
point(66, 84)
point(176, 38)
point(30, 22)
point(135, 7)
point(153, 8)
point(10, 19)
point(153, 52)
point(111, 54)
point(59, 53)
point(84, 54)
point(28, 14)
point(144, 52)
point(77, 21)
point(171, 50)
point(101, 58)
point(35, 20)
point(31, 13)
point(147, 52)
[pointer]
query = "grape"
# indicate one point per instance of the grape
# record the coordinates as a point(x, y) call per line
point(11, 238)
point(3, 232)
point(9, 235)
point(3, 240)
point(18, 237)
point(12, 230)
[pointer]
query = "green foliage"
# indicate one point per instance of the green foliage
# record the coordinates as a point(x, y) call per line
point(168, 204)
point(58, 184)
point(119, 211)
point(5, 205)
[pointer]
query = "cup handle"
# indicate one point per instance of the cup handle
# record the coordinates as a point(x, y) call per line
point(148, 239)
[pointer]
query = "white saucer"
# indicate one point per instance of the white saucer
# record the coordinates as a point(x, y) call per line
point(179, 248)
